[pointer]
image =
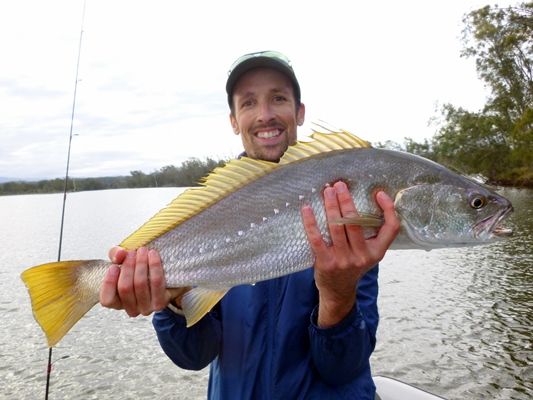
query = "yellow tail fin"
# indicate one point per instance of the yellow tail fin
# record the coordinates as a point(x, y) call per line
point(62, 292)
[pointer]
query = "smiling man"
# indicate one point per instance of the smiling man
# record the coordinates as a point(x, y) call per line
point(308, 335)
point(265, 112)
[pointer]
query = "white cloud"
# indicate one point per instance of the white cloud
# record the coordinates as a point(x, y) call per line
point(153, 75)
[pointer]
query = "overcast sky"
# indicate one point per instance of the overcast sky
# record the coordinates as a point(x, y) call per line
point(152, 75)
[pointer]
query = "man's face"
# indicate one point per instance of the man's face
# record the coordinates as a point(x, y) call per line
point(265, 113)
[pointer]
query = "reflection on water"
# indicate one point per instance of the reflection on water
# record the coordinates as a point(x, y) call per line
point(456, 322)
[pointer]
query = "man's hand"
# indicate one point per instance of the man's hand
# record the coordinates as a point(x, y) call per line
point(138, 286)
point(340, 266)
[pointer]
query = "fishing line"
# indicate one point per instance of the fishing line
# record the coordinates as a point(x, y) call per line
point(49, 368)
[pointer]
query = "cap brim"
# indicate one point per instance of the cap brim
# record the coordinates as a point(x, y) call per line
point(260, 62)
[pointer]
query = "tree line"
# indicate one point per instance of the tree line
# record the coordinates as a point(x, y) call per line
point(496, 141)
point(188, 173)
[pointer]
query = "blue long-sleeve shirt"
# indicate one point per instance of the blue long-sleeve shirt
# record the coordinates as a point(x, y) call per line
point(263, 342)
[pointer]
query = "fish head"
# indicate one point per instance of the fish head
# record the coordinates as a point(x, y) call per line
point(437, 214)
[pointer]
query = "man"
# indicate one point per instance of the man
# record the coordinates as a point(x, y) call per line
point(306, 335)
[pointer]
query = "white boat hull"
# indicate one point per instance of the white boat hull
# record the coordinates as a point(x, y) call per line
point(392, 389)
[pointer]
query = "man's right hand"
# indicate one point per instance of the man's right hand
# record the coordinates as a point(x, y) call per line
point(138, 286)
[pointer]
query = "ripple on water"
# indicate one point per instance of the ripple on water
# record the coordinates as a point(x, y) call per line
point(457, 322)
point(454, 322)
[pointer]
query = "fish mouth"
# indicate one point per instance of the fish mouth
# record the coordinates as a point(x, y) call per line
point(492, 225)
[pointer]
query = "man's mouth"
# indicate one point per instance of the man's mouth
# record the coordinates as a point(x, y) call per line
point(269, 134)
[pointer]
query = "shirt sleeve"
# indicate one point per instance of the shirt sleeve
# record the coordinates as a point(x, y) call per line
point(342, 351)
point(189, 348)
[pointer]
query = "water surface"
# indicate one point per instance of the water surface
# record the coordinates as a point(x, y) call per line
point(456, 322)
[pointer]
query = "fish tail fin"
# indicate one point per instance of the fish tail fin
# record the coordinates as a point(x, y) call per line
point(199, 301)
point(62, 292)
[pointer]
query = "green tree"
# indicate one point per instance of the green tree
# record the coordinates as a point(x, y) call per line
point(168, 176)
point(90, 184)
point(501, 40)
point(471, 142)
point(496, 141)
point(422, 149)
point(193, 170)
point(139, 179)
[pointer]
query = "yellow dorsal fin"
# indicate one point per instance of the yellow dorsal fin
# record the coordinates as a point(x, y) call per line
point(228, 179)
point(323, 142)
point(217, 185)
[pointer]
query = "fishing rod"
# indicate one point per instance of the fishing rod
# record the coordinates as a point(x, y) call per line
point(49, 368)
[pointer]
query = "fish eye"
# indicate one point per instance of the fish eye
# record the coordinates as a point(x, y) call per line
point(477, 201)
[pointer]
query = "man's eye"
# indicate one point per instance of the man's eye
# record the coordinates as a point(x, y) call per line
point(279, 99)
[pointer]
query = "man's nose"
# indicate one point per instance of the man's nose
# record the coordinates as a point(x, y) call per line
point(265, 112)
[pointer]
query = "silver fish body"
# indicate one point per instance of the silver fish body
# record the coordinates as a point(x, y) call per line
point(256, 233)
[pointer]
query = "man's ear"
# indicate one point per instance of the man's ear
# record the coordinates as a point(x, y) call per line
point(300, 115)
point(234, 124)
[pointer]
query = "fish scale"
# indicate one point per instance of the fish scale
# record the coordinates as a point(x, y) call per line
point(260, 252)
point(272, 247)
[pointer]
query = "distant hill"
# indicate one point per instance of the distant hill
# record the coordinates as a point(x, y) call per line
point(4, 179)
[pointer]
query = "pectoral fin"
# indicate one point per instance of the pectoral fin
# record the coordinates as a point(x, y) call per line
point(199, 301)
point(364, 220)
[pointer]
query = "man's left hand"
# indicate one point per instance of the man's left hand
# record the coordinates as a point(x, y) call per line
point(340, 266)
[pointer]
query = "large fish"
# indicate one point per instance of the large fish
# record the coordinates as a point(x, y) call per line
point(244, 224)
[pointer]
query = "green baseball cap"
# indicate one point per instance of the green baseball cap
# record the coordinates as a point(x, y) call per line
point(261, 59)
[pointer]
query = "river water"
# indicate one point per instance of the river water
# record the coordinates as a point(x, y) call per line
point(456, 322)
